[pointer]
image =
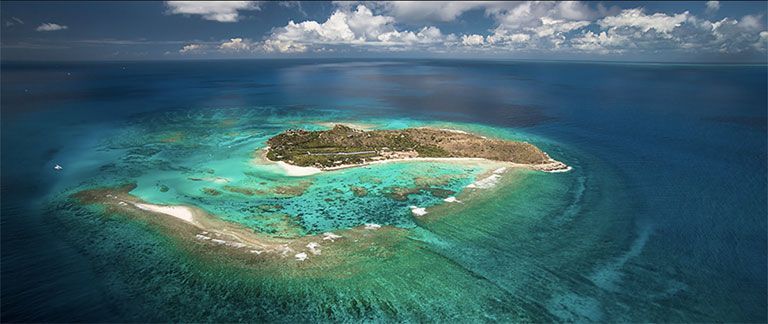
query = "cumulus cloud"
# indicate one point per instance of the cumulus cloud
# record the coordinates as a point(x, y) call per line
point(577, 27)
point(762, 42)
point(550, 27)
point(538, 25)
point(221, 11)
point(472, 40)
point(751, 22)
point(636, 18)
point(530, 14)
point(712, 6)
point(424, 36)
point(602, 42)
point(229, 46)
point(358, 27)
point(505, 38)
point(192, 49)
point(533, 27)
point(283, 46)
point(236, 45)
point(417, 11)
point(444, 11)
point(733, 36)
point(50, 27)
point(575, 10)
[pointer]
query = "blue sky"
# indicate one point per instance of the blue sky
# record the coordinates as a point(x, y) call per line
point(691, 31)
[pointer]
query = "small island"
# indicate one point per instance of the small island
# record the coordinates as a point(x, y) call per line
point(344, 146)
point(281, 236)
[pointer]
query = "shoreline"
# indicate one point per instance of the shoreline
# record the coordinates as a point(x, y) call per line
point(197, 226)
point(553, 166)
point(547, 164)
point(295, 170)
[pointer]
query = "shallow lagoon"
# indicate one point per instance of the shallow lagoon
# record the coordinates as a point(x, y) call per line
point(215, 162)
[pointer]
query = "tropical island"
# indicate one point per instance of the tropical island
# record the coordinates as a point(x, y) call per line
point(344, 146)
point(341, 146)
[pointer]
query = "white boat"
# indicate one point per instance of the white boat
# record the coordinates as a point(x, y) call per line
point(57, 168)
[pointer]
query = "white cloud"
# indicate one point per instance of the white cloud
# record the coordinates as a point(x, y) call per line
point(574, 10)
point(424, 36)
point(472, 40)
point(357, 28)
point(733, 36)
point(236, 45)
point(636, 18)
point(221, 11)
point(417, 11)
point(444, 11)
point(537, 25)
point(192, 49)
point(519, 38)
point(603, 42)
point(283, 46)
point(229, 46)
point(712, 6)
point(50, 27)
point(762, 42)
point(530, 14)
point(333, 30)
point(500, 38)
point(551, 27)
point(751, 22)
point(533, 27)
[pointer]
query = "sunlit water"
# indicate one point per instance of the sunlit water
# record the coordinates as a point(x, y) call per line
point(663, 217)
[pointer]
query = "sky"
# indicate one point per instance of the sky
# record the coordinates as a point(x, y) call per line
point(685, 31)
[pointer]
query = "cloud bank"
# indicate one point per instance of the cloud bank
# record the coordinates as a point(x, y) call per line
point(221, 11)
point(519, 27)
point(46, 27)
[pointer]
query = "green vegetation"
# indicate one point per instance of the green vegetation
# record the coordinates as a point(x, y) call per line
point(343, 145)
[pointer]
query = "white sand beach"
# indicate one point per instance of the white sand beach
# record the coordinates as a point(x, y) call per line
point(181, 212)
point(297, 171)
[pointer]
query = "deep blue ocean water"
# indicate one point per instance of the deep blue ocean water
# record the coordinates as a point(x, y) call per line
point(681, 150)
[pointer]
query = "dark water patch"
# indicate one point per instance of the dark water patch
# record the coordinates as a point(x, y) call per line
point(234, 84)
point(412, 80)
point(757, 122)
point(473, 110)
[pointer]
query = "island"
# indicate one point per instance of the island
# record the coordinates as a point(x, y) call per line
point(279, 235)
point(344, 146)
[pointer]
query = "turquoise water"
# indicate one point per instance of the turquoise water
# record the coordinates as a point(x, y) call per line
point(663, 217)
point(175, 158)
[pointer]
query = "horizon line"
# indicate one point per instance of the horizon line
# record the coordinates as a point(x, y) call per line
point(4, 61)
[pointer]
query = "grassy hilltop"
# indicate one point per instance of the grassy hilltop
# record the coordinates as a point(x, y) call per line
point(344, 145)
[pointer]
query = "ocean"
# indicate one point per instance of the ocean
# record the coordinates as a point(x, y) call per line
point(663, 217)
